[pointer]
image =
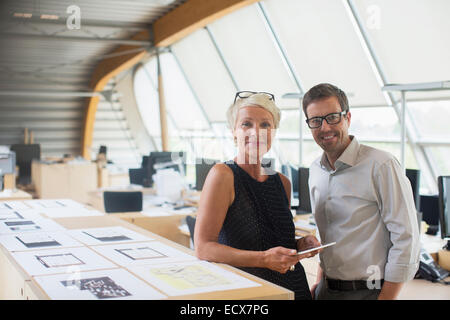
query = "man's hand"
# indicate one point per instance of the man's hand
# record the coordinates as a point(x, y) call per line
point(390, 290)
point(308, 242)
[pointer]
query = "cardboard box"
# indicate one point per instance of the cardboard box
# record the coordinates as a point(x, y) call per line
point(9, 181)
point(103, 177)
point(444, 259)
point(64, 180)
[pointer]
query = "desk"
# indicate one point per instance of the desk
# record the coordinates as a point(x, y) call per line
point(15, 283)
point(9, 195)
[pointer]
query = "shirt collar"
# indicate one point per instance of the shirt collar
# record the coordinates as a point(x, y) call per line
point(348, 157)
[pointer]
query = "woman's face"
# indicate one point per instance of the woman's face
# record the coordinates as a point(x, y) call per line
point(253, 132)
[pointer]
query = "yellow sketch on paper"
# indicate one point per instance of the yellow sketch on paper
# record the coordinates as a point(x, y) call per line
point(188, 276)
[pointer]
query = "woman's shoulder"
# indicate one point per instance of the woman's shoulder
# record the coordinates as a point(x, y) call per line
point(221, 171)
point(283, 178)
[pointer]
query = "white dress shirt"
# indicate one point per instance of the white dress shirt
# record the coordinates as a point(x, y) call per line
point(366, 205)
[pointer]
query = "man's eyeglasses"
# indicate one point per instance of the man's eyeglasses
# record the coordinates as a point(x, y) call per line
point(247, 94)
point(331, 118)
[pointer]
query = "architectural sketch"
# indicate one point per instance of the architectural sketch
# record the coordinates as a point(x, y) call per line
point(97, 236)
point(65, 260)
point(59, 260)
point(101, 288)
point(37, 240)
point(27, 225)
point(108, 284)
point(142, 253)
point(191, 277)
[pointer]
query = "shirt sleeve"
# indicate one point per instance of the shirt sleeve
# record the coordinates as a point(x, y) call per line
point(399, 215)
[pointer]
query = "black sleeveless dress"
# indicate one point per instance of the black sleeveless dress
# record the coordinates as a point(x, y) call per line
point(259, 219)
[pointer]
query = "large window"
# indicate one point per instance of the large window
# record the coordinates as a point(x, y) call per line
point(270, 44)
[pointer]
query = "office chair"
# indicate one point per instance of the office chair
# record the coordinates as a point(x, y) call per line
point(137, 176)
point(122, 201)
point(190, 221)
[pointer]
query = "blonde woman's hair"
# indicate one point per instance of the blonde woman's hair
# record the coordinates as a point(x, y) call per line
point(256, 100)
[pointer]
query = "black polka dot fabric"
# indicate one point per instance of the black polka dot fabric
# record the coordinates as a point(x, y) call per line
point(260, 219)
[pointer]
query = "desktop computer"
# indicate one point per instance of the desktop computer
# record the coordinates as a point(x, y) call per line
point(202, 167)
point(444, 207)
point(304, 205)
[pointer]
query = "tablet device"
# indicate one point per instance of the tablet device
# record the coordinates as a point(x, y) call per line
point(316, 248)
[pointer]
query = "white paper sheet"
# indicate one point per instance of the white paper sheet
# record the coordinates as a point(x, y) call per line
point(67, 260)
point(141, 253)
point(28, 225)
point(97, 285)
point(155, 212)
point(70, 212)
point(61, 208)
point(37, 241)
point(8, 214)
point(16, 205)
point(53, 203)
point(96, 236)
point(13, 214)
point(190, 277)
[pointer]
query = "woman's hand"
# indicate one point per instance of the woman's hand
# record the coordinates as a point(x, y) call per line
point(280, 259)
point(306, 243)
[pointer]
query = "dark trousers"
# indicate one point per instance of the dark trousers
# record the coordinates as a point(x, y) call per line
point(322, 292)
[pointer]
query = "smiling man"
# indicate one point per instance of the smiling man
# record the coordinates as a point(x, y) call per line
point(362, 200)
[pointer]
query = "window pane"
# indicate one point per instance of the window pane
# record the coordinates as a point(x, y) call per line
point(394, 149)
point(289, 125)
point(441, 157)
point(322, 44)
point(375, 124)
point(147, 100)
point(207, 73)
point(251, 53)
point(407, 37)
point(431, 118)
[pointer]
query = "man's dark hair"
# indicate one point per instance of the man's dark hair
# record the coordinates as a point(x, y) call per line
point(323, 91)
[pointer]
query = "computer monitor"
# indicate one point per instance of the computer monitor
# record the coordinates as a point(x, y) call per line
point(7, 163)
point(294, 182)
point(414, 178)
point(202, 167)
point(292, 174)
point(164, 159)
point(429, 205)
point(304, 205)
point(25, 154)
point(444, 207)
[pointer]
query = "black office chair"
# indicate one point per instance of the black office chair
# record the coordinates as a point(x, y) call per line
point(137, 176)
point(190, 221)
point(122, 201)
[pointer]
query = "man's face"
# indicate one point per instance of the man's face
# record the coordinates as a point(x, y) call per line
point(332, 138)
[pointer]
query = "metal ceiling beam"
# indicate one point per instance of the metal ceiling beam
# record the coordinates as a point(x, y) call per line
point(21, 36)
point(85, 23)
point(49, 93)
